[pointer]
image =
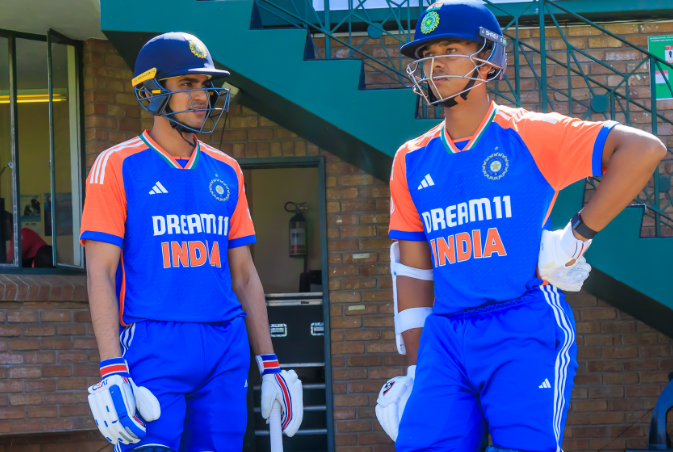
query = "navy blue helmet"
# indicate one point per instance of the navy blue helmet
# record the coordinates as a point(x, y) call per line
point(468, 20)
point(172, 55)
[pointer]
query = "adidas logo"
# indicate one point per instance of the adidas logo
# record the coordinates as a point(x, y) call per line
point(158, 188)
point(427, 182)
point(545, 384)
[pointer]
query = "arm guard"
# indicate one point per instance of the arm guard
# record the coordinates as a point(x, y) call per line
point(409, 318)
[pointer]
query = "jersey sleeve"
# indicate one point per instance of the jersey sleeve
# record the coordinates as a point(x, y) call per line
point(405, 223)
point(104, 216)
point(565, 149)
point(242, 231)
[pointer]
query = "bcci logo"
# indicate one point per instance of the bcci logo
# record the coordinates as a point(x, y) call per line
point(219, 190)
point(495, 166)
point(430, 22)
point(197, 49)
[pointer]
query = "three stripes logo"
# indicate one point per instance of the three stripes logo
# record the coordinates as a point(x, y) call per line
point(545, 384)
point(426, 182)
point(158, 188)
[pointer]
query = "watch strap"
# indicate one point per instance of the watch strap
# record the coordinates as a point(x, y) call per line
point(581, 228)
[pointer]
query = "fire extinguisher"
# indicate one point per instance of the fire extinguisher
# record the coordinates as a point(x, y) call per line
point(297, 230)
point(299, 241)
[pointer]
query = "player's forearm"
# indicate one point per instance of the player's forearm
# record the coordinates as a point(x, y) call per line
point(104, 312)
point(251, 295)
point(630, 167)
point(413, 293)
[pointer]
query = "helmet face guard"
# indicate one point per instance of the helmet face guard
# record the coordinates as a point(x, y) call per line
point(154, 99)
point(420, 71)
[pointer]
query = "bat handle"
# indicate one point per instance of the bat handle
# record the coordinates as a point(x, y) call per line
point(275, 428)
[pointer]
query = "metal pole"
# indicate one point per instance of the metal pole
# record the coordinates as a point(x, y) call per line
point(328, 27)
point(653, 97)
point(14, 132)
point(517, 76)
point(543, 61)
point(52, 175)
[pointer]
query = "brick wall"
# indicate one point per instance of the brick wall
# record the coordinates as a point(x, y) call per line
point(48, 354)
point(112, 113)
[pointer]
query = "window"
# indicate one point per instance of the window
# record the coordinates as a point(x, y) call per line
point(40, 151)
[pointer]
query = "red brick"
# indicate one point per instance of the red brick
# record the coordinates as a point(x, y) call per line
point(10, 330)
point(353, 426)
point(10, 358)
point(363, 360)
point(57, 371)
point(345, 400)
point(370, 387)
point(25, 399)
point(25, 372)
point(24, 344)
point(363, 335)
point(39, 330)
point(55, 316)
point(60, 343)
point(349, 374)
point(39, 358)
point(11, 386)
point(86, 344)
point(22, 316)
point(12, 413)
point(74, 329)
point(42, 411)
point(346, 348)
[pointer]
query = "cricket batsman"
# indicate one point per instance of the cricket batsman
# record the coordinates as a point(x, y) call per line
point(475, 267)
point(173, 290)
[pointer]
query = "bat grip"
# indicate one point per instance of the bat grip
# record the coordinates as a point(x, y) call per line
point(275, 429)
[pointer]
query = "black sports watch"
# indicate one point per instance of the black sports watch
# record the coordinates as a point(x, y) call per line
point(582, 229)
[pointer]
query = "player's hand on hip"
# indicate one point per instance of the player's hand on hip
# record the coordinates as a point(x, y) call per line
point(561, 260)
point(119, 407)
point(285, 387)
point(392, 400)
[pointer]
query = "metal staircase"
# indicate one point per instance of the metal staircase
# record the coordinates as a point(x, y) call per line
point(281, 54)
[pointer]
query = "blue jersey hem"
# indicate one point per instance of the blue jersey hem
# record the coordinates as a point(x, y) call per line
point(241, 241)
point(407, 235)
point(102, 237)
point(597, 157)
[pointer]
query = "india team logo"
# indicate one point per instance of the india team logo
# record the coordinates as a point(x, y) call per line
point(495, 166)
point(430, 22)
point(197, 49)
point(219, 190)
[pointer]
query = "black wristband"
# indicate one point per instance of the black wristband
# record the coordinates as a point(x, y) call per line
point(582, 229)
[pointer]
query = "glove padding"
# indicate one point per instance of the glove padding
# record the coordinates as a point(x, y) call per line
point(392, 400)
point(285, 387)
point(557, 249)
point(114, 402)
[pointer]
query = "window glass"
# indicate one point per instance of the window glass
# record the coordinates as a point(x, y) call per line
point(34, 149)
point(6, 190)
point(67, 183)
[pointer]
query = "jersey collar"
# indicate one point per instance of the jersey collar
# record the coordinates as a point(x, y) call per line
point(193, 160)
point(449, 145)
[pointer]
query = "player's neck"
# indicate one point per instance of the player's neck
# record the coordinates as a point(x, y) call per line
point(463, 120)
point(170, 140)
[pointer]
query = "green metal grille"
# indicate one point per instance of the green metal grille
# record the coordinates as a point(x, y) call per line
point(580, 78)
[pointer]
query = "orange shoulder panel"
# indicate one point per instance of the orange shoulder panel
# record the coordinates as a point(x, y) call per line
point(104, 212)
point(563, 148)
point(403, 214)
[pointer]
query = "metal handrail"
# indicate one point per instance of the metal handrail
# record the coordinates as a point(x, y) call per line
point(354, 32)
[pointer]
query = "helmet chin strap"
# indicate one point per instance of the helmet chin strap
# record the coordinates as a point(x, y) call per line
point(468, 87)
point(180, 129)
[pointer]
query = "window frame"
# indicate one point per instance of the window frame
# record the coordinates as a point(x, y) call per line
point(51, 37)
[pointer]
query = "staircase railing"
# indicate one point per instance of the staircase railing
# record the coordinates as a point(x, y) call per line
point(575, 79)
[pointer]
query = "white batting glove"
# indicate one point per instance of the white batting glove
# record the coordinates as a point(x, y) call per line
point(392, 400)
point(114, 402)
point(285, 387)
point(557, 249)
